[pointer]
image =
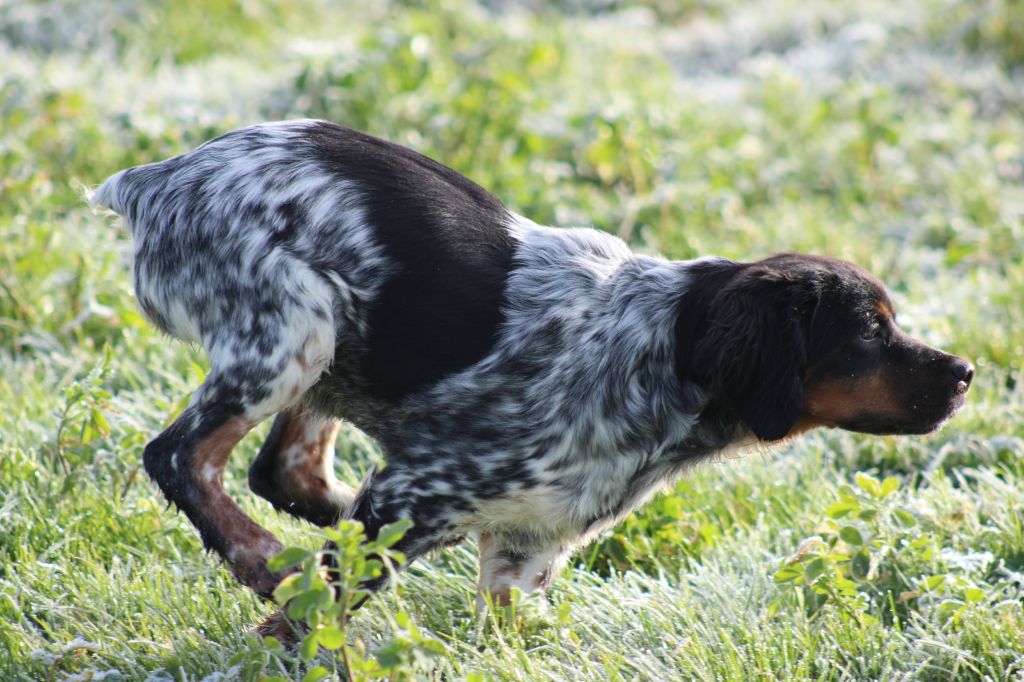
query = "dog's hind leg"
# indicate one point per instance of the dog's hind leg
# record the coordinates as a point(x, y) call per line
point(261, 363)
point(394, 493)
point(294, 469)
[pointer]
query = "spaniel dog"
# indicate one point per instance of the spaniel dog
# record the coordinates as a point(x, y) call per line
point(527, 385)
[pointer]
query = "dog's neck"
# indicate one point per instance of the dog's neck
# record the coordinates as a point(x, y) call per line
point(707, 276)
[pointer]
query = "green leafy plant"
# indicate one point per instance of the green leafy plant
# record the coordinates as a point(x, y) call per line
point(866, 555)
point(873, 558)
point(667, 528)
point(321, 602)
point(81, 419)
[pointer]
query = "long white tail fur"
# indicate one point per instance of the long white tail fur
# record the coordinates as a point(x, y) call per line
point(111, 194)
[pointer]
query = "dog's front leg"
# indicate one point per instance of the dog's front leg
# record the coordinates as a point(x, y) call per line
point(505, 564)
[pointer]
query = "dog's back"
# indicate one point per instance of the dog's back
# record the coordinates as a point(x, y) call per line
point(414, 255)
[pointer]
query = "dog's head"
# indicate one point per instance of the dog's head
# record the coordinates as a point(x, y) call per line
point(796, 341)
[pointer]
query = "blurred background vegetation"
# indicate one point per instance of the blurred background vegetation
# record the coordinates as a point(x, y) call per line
point(891, 134)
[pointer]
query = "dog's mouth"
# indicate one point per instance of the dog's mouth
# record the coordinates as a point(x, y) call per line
point(923, 416)
point(927, 406)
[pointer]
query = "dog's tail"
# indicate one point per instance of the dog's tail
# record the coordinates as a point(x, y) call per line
point(132, 190)
point(111, 194)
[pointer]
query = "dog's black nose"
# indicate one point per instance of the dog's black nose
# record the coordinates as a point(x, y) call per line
point(963, 370)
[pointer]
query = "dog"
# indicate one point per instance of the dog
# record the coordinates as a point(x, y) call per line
point(527, 385)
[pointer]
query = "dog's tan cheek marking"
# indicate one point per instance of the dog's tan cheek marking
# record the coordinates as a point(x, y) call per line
point(884, 311)
point(833, 402)
point(249, 545)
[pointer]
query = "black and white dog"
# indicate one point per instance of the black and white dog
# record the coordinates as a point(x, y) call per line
point(527, 385)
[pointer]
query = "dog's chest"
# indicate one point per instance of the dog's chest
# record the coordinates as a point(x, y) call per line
point(569, 421)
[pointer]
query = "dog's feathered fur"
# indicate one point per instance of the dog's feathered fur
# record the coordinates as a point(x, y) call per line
point(528, 385)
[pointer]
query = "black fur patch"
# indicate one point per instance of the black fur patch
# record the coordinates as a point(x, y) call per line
point(441, 311)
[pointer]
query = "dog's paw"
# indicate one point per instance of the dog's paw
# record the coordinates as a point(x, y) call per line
point(249, 565)
point(279, 626)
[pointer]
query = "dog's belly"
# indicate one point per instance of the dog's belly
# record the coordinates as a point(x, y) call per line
point(568, 509)
point(540, 512)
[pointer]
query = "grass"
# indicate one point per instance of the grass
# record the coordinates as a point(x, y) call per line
point(887, 133)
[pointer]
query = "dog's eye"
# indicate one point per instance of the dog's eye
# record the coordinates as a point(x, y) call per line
point(877, 328)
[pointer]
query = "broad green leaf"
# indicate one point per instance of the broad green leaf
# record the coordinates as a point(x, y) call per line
point(890, 485)
point(788, 574)
point(288, 558)
point(867, 514)
point(851, 536)
point(331, 637)
point(860, 565)
point(845, 586)
point(903, 518)
point(813, 570)
point(287, 588)
point(389, 655)
point(821, 588)
point(100, 422)
point(371, 569)
point(397, 558)
point(838, 510)
point(303, 601)
point(393, 532)
point(868, 484)
point(308, 647)
point(316, 674)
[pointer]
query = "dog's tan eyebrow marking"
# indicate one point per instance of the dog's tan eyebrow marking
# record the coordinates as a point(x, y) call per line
point(884, 310)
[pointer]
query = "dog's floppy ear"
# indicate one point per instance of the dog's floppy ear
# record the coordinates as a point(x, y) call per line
point(750, 350)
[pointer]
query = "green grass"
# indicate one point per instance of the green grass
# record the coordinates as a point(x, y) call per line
point(887, 133)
